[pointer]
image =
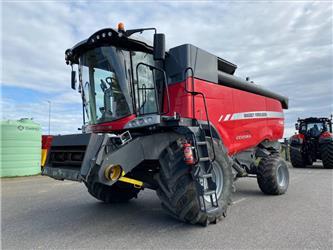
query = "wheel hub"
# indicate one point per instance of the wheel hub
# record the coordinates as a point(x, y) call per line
point(281, 177)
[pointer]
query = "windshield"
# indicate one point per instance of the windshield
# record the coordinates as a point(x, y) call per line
point(103, 75)
point(313, 129)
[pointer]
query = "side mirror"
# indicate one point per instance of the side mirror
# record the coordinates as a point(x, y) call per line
point(73, 80)
point(159, 46)
point(296, 126)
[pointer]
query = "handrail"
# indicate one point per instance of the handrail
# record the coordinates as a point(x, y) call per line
point(205, 105)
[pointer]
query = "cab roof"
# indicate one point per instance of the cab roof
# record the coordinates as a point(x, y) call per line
point(314, 119)
point(106, 37)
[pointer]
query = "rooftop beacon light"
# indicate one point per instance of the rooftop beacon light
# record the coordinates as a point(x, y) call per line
point(121, 27)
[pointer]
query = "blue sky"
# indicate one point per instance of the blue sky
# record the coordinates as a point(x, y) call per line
point(283, 46)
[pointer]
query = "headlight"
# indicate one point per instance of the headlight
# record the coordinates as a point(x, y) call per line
point(144, 121)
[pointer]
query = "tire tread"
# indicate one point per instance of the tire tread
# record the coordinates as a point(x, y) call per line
point(296, 157)
point(117, 193)
point(326, 151)
point(178, 193)
point(267, 175)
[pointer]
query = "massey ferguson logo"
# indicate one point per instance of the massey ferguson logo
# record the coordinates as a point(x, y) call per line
point(250, 115)
point(258, 114)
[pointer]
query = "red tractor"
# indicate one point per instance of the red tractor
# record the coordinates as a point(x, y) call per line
point(177, 121)
point(313, 141)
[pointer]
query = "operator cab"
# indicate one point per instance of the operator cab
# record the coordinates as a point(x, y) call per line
point(313, 127)
point(118, 77)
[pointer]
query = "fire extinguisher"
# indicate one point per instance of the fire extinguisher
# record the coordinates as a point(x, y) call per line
point(188, 154)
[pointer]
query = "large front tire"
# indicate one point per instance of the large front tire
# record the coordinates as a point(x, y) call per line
point(177, 188)
point(273, 175)
point(117, 193)
point(326, 151)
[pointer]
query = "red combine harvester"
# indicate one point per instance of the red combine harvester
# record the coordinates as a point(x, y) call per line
point(177, 121)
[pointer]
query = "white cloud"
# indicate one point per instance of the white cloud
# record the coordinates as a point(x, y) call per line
point(34, 38)
point(285, 46)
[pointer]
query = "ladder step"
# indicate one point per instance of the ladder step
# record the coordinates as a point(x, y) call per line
point(210, 192)
point(212, 209)
point(201, 143)
point(207, 176)
point(204, 159)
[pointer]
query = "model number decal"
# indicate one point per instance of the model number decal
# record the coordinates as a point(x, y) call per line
point(243, 137)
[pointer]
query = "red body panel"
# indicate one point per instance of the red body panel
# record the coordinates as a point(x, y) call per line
point(110, 126)
point(225, 106)
point(46, 141)
point(326, 134)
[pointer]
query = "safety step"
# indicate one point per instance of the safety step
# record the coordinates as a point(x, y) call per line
point(202, 159)
point(209, 192)
point(212, 209)
point(206, 176)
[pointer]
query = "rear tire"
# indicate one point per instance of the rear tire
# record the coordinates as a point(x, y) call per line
point(117, 193)
point(177, 188)
point(309, 161)
point(273, 175)
point(296, 157)
point(326, 151)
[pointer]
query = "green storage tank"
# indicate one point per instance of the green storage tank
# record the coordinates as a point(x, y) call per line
point(20, 148)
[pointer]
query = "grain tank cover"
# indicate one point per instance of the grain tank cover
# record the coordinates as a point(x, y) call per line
point(226, 66)
point(20, 148)
point(204, 64)
point(211, 68)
